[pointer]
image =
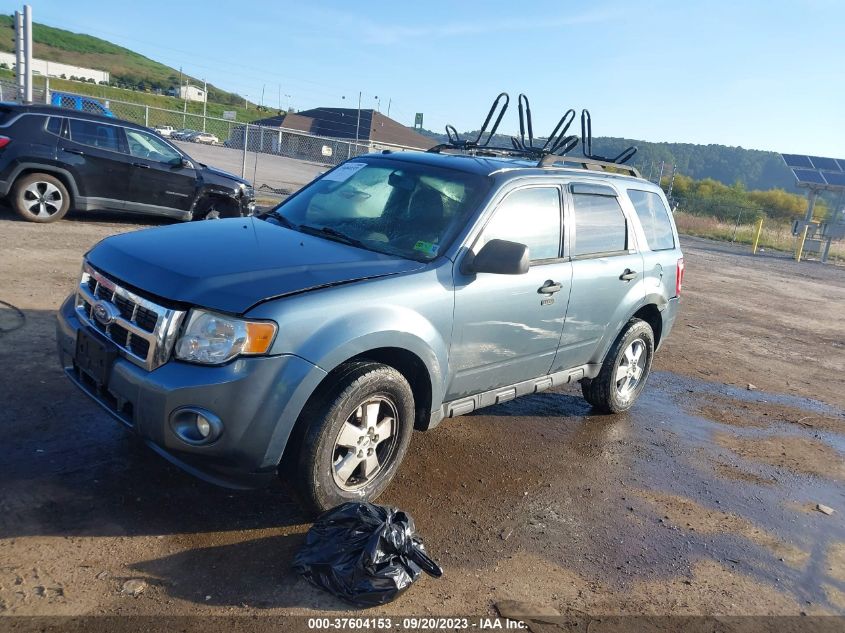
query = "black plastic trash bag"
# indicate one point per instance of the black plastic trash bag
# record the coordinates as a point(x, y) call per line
point(364, 553)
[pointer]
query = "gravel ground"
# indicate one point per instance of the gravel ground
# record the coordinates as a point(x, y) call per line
point(699, 501)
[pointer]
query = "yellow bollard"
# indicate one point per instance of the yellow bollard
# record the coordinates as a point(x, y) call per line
point(801, 244)
point(757, 237)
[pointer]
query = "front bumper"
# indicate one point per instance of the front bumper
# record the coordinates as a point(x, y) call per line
point(257, 399)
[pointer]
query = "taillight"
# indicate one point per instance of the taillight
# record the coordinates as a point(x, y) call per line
point(679, 277)
point(4, 140)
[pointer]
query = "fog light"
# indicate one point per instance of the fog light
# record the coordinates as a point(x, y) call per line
point(203, 426)
point(196, 426)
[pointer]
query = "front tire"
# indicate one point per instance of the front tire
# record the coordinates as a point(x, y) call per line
point(624, 372)
point(40, 198)
point(357, 432)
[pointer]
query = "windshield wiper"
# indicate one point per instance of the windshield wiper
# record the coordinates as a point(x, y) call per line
point(332, 234)
point(281, 219)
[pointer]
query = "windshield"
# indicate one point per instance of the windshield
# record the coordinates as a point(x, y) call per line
point(394, 207)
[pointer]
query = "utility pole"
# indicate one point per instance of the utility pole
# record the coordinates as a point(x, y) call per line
point(204, 101)
point(27, 36)
point(358, 124)
point(20, 69)
point(389, 101)
point(185, 107)
point(262, 93)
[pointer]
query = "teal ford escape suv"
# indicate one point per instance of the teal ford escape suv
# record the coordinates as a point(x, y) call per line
point(394, 291)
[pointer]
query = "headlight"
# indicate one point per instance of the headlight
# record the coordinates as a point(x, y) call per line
point(213, 339)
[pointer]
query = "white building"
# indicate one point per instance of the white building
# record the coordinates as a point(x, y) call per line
point(56, 69)
point(189, 93)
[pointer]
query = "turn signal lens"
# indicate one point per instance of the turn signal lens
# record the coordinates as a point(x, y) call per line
point(259, 337)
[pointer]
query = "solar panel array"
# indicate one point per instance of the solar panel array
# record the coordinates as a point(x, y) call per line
point(816, 171)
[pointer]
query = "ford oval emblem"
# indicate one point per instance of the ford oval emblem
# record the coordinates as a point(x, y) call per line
point(104, 312)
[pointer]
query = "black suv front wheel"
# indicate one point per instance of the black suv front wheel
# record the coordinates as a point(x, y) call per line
point(40, 198)
point(624, 372)
point(355, 435)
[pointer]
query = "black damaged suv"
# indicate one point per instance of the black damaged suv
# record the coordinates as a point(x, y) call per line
point(52, 160)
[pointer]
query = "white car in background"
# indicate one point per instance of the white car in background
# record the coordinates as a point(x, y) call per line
point(164, 130)
point(204, 137)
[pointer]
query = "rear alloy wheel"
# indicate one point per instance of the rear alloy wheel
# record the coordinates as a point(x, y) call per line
point(354, 434)
point(40, 198)
point(624, 372)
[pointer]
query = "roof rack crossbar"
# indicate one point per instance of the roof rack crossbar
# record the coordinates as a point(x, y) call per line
point(587, 143)
point(585, 162)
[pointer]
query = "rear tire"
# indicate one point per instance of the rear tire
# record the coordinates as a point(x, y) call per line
point(40, 198)
point(355, 434)
point(624, 372)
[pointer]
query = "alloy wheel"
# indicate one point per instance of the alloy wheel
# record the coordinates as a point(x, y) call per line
point(42, 199)
point(366, 443)
point(631, 368)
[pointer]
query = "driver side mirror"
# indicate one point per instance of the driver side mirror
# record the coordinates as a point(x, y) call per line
point(500, 257)
point(182, 162)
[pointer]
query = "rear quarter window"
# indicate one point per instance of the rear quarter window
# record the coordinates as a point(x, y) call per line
point(54, 125)
point(654, 218)
point(5, 115)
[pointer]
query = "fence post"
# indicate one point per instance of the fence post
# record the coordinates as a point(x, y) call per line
point(801, 243)
point(736, 226)
point(757, 237)
point(246, 138)
point(146, 116)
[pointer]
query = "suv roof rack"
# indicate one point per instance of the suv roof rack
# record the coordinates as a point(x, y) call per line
point(590, 164)
point(554, 150)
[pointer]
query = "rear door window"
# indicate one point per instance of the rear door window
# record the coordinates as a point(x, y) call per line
point(600, 226)
point(654, 217)
point(96, 134)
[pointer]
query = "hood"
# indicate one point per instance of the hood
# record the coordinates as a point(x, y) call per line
point(222, 174)
point(231, 265)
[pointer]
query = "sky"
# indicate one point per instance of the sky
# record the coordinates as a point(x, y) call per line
point(751, 73)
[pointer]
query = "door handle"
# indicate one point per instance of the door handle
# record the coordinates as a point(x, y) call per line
point(549, 288)
point(141, 165)
point(628, 275)
point(73, 151)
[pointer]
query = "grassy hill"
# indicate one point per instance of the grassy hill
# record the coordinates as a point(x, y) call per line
point(124, 65)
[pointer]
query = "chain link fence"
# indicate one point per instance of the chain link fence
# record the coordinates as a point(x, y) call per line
point(278, 161)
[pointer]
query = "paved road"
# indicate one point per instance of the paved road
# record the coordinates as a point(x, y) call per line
point(277, 172)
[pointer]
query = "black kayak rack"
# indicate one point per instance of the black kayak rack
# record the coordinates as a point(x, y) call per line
point(553, 152)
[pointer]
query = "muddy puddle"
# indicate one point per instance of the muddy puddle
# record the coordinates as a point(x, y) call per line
point(678, 506)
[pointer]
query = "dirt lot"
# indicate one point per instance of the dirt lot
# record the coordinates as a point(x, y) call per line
point(701, 500)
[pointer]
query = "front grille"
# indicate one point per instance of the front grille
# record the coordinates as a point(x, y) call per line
point(142, 329)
